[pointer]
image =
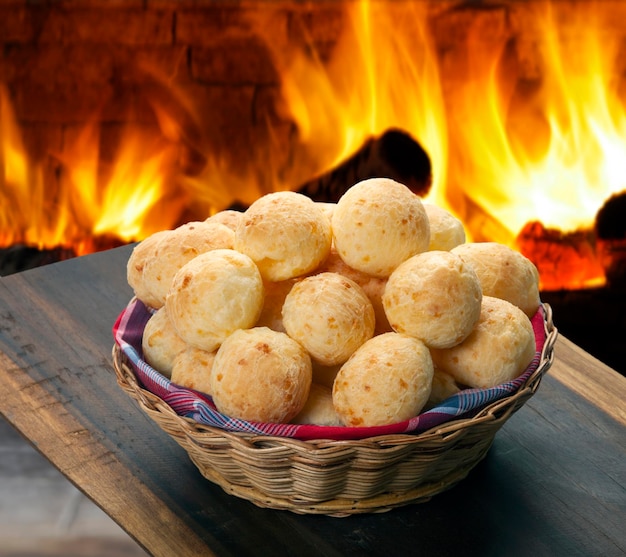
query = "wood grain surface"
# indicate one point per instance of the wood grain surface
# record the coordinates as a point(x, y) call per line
point(554, 482)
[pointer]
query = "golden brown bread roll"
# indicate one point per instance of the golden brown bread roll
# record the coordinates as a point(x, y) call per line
point(213, 295)
point(499, 349)
point(142, 253)
point(272, 312)
point(319, 409)
point(178, 247)
point(387, 380)
point(160, 342)
point(285, 233)
point(327, 208)
point(504, 273)
point(377, 224)
point(372, 286)
point(446, 231)
point(444, 386)
point(192, 369)
point(261, 375)
point(330, 315)
point(434, 296)
point(227, 217)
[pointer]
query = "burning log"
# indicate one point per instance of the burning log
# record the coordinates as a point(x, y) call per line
point(564, 260)
point(17, 258)
point(610, 230)
point(395, 154)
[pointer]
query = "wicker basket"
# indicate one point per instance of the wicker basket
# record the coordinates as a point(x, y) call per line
point(338, 478)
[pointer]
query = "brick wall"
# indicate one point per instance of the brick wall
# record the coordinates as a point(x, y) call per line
point(65, 61)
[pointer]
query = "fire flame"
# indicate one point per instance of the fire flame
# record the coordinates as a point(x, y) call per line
point(508, 148)
point(92, 205)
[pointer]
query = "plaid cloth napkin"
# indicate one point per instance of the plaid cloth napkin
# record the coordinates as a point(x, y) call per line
point(128, 331)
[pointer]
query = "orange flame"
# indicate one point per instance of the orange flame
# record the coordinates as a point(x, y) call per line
point(20, 218)
point(505, 151)
point(129, 200)
point(503, 157)
point(383, 74)
point(575, 115)
point(125, 202)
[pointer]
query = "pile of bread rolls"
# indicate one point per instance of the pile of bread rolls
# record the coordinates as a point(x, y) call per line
point(359, 313)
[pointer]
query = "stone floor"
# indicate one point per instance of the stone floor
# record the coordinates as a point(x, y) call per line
point(43, 515)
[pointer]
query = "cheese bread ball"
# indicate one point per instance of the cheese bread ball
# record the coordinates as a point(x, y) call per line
point(499, 349)
point(372, 286)
point(379, 223)
point(434, 296)
point(275, 294)
point(285, 233)
point(374, 290)
point(160, 342)
point(143, 252)
point(213, 295)
point(327, 208)
point(387, 380)
point(330, 315)
point(180, 246)
point(192, 369)
point(228, 217)
point(444, 386)
point(446, 231)
point(504, 273)
point(261, 375)
point(319, 409)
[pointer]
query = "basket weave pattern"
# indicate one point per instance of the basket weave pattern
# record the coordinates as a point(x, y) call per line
point(333, 477)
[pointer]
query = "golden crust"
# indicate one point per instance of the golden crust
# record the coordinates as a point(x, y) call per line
point(330, 315)
point(213, 295)
point(275, 294)
point(387, 380)
point(444, 386)
point(177, 248)
point(372, 286)
point(160, 342)
point(285, 233)
point(499, 349)
point(142, 253)
point(192, 369)
point(325, 375)
point(261, 375)
point(504, 273)
point(446, 231)
point(377, 224)
point(227, 217)
point(434, 296)
point(319, 409)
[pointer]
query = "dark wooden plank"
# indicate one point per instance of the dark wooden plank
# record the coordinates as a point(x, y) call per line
point(553, 484)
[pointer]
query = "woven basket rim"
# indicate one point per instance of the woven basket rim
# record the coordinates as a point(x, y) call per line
point(338, 477)
point(127, 379)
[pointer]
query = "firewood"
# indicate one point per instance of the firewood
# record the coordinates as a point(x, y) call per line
point(394, 154)
point(610, 230)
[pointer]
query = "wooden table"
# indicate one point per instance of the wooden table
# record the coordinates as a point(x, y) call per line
point(554, 482)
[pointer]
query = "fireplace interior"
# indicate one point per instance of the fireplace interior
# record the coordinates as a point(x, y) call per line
point(120, 118)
